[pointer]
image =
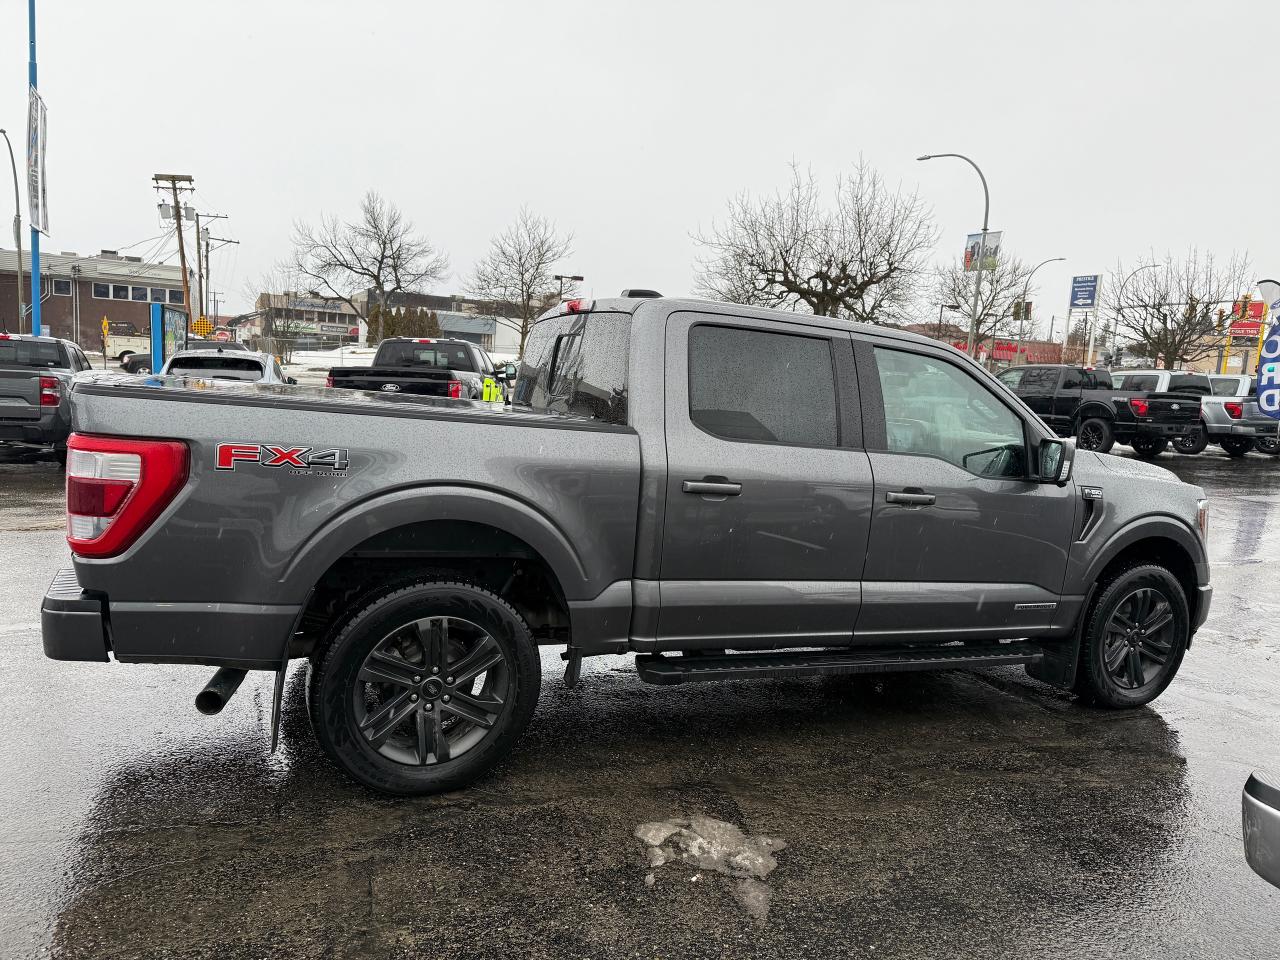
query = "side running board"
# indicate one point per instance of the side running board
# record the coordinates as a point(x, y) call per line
point(660, 669)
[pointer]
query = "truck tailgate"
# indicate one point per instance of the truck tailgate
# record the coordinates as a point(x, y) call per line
point(425, 381)
point(1173, 408)
point(19, 395)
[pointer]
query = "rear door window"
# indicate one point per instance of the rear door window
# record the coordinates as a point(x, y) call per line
point(1196, 383)
point(1141, 382)
point(577, 364)
point(762, 387)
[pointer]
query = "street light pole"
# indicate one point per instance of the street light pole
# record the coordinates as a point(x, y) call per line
point(1120, 298)
point(1026, 288)
point(35, 227)
point(941, 307)
point(982, 243)
point(17, 229)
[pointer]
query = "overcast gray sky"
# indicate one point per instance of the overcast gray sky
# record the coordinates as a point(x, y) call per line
point(1105, 128)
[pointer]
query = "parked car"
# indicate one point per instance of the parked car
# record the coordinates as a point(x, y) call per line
point(141, 362)
point(822, 516)
point(35, 377)
point(136, 363)
point(1231, 419)
point(430, 367)
point(1089, 405)
point(220, 364)
point(1260, 816)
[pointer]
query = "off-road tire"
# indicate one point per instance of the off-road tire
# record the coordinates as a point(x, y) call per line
point(1236, 446)
point(334, 675)
point(1192, 443)
point(1147, 448)
point(1095, 434)
point(1094, 682)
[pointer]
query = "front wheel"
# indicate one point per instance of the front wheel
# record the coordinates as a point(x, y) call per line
point(1193, 442)
point(1237, 446)
point(1095, 434)
point(1148, 448)
point(1137, 631)
point(1268, 445)
point(424, 688)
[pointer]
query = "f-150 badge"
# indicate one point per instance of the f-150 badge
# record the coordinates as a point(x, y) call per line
point(301, 459)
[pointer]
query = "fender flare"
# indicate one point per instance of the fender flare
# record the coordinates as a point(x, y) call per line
point(1092, 409)
point(347, 530)
point(1157, 525)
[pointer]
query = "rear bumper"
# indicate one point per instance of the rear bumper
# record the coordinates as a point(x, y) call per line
point(79, 626)
point(1246, 428)
point(72, 625)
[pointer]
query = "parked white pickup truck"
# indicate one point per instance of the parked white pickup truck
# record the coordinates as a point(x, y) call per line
point(121, 346)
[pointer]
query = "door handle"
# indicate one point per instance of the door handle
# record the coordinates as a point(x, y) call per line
point(914, 498)
point(712, 488)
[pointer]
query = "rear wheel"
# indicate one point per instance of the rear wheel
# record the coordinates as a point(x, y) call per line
point(1095, 434)
point(1237, 446)
point(1268, 445)
point(424, 688)
point(1193, 442)
point(1148, 448)
point(1136, 633)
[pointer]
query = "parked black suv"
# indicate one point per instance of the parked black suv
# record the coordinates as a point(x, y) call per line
point(1083, 402)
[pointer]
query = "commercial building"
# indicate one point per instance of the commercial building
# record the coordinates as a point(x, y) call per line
point(320, 321)
point(78, 292)
point(483, 322)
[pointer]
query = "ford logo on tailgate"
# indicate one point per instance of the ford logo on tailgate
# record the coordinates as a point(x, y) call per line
point(1174, 407)
point(393, 387)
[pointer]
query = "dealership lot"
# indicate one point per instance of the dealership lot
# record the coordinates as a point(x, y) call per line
point(969, 814)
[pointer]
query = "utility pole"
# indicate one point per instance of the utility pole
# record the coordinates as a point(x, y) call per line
point(208, 249)
point(199, 269)
point(173, 179)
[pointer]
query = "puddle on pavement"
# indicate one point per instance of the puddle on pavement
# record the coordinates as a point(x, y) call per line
point(707, 844)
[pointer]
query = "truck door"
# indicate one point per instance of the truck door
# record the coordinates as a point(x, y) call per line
point(768, 487)
point(1066, 400)
point(963, 543)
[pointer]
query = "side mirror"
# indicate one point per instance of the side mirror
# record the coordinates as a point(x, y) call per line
point(1056, 457)
point(1260, 810)
point(510, 369)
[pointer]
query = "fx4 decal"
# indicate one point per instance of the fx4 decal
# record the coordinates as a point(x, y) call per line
point(301, 459)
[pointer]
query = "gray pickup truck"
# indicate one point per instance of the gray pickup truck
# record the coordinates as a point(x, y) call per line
point(35, 380)
point(726, 492)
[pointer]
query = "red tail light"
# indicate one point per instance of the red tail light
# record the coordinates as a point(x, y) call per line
point(577, 306)
point(1234, 410)
point(1140, 407)
point(116, 488)
point(455, 389)
point(50, 392)
point(328, 381)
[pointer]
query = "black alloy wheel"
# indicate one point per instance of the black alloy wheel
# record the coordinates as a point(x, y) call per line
point(430, 690)
point(1139, 638)
point(1236, 446)
point(1137, 629)
point(425, 687)
point(1148, 448)
point(1268, 445)
point(1193, 442)
point(1095, 434)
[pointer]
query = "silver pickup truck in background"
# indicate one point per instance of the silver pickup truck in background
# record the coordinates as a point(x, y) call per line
point(35, 390)
point(1231, 419)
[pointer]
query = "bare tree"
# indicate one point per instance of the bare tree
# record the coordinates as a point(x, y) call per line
point(279, 305)
point(858, 253)
point(1169, 311)
point(517, 271)
point(380, 252)
point(1002, 287)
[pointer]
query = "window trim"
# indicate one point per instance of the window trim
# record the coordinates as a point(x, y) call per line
point(53, 286)
point(93, 291)
point(876, 432)
point(838, 407)
point(128, 292)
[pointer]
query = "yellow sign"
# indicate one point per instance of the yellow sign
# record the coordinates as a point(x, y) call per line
point(104, 326)
point(202, 327)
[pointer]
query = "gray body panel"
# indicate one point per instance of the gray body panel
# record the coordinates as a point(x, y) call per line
point(810, 553)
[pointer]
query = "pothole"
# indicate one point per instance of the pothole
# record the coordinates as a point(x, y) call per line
point(707, 844)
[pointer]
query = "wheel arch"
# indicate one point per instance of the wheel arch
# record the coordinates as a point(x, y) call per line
point(1092, 410)
point(1159, 539)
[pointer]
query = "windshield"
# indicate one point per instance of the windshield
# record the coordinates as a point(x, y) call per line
point(30, 353)
point(218, 368)
point(407, 353)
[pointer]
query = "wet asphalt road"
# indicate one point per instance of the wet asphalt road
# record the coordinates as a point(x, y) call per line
point(960, 815)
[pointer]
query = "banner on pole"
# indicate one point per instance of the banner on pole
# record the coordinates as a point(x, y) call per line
point(1269, 355)
point(991, 248)
point(37, 142)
